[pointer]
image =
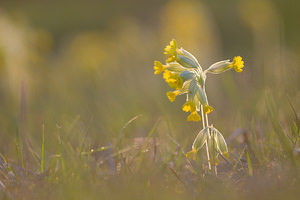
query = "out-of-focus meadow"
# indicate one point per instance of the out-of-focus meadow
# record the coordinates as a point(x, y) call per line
point(83, 70)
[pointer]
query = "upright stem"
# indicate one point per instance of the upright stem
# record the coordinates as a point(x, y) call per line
point(206, 142)
point(213, 143)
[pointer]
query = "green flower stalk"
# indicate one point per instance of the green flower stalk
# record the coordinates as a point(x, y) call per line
point(185, 75)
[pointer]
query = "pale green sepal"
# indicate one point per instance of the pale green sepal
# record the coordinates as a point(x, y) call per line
point(219, 67)
point(174, 67)
point(201, 95)
point(185, 87)
point(200, 139)
point(193, 88)
point(185, 53)
point(186, 75)
point(201, 79)
point(212, 146)
point(186, 62)
point(222, 146)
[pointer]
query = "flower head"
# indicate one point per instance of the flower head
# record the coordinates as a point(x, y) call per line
point(237, 64)
point(183, 72)
point(222, 66)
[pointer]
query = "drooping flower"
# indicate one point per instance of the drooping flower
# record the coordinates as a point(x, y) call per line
point(175, 81)
point(189, 106)
point(194, 116)
point(192, 154)
point(172, 95)
point(181, 56)
point(222, 66)
point(207, 109)
point(237, 64)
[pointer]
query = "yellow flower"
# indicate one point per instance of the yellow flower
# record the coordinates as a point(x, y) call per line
point(175, 81)
point(189, 106)
point(167, 75)
point(172, 95)
point(170, 50)
point(158, 67)
point(194, 117)
point(207, 109)
point(192, 154)
point(237, 64)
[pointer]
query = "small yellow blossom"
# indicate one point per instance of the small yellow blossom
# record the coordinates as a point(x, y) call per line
point(172, 95)
point(167, 75)
point(170, 50)
point(158, 67)
point(194, 117)
point(237, 64)
point(189, 106)
point(207, 109)
point(192, 154)
point(175, 81)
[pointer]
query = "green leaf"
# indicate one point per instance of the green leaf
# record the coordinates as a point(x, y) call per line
point(250, 168)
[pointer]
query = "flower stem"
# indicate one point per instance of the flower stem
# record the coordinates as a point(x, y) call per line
point(213, 148)
point(206, 142)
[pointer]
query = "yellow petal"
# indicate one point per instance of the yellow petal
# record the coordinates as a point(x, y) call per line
point(192, 154)
point(158, 67)
point(194, 117)
point(207, 109)
point(167, 75)
point(175, 81)
point(237, 64)
point(172, 95)
point(189, 106)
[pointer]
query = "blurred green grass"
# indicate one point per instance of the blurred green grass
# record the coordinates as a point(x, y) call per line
point(84, 69)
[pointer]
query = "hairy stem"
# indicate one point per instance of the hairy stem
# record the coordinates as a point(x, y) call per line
point(206, 142)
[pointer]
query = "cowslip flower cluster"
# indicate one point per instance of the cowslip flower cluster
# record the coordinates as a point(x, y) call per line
point(185, 75)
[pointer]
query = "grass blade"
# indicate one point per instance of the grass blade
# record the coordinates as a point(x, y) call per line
point(43, 149)
point(250, 168)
